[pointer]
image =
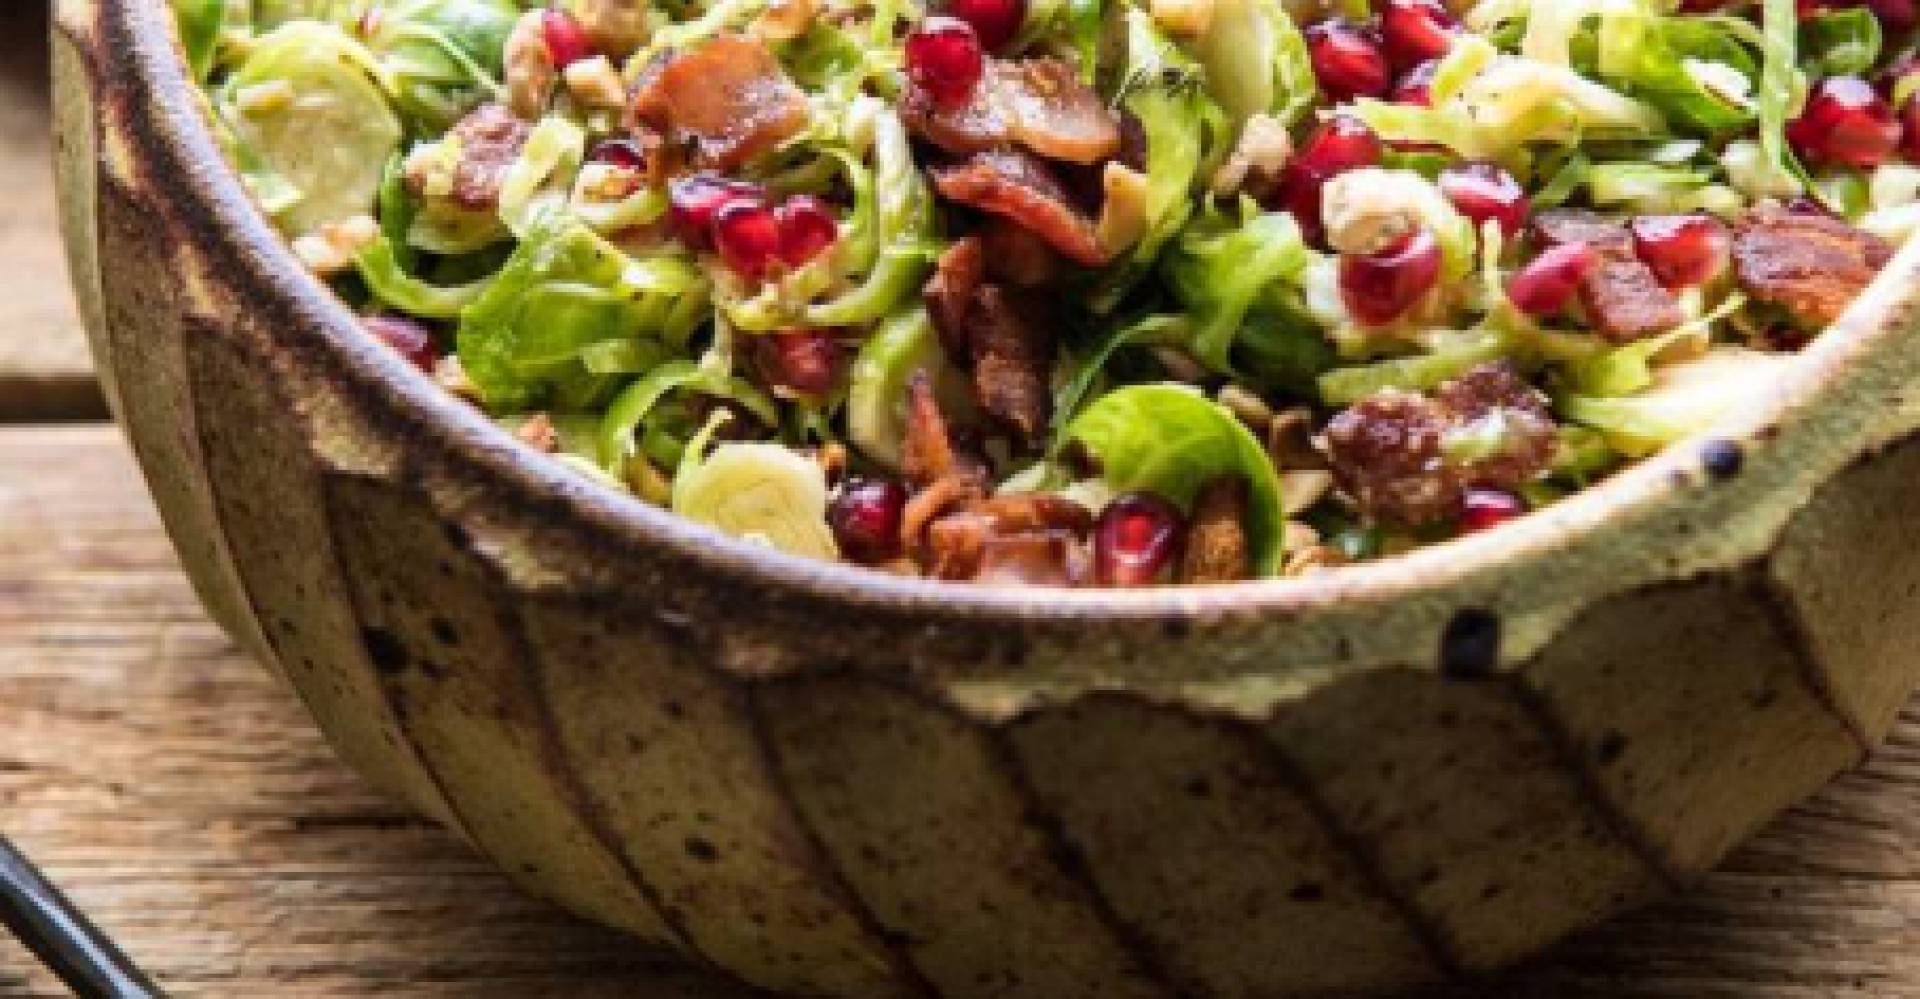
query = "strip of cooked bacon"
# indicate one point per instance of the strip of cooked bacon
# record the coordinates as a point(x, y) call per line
point(949, 294)
point(1031, 538)
point(1811, 265)
point(1217, 550)
point(1012, 362)
point(727, 97)
point(1015, 256)
point(926, 452)
point(1389, 451)
point(488, 141)
point(1018, 186)
point(1038, 103)
point(1621, 297)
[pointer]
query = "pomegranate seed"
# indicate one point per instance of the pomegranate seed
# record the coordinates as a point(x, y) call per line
point(994, 22)
point(623, 153)
point(566, 41)
point(1136, 536)
point(1895, 16)
point(1545, 285)
point(1379, 287)
point(1339, 145)
point(1416, 85)
point(696, 199)
point(1484, 508)
point(1483, 191)
point(805, 362)
point(865, 519)
point(807, 227)
point(746, 231)
point(1845, 124)
point(1347, 60)
point(1415, 31)
point(1682, 250)
point(1803, 204)
point(409, 339)
point(1910, 128)
point(944, 59)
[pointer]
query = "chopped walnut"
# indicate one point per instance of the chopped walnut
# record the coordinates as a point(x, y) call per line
point(530, 73)
point(616, 27)
point(785, 20)
point(451, 375)
point(1408, 458)
point(331, 249)
point(596, 84)
point(1257, 159)
point(538, 432)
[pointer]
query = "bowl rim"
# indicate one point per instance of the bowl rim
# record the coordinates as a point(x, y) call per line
point(169, 122)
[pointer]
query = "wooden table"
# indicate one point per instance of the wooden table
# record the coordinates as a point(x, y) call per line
point(181, 796)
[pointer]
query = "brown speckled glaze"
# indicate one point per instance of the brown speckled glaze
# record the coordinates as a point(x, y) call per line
point(829, 782)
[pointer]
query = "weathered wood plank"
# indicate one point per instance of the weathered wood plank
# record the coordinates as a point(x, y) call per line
point(183, 798)
point(44, 369)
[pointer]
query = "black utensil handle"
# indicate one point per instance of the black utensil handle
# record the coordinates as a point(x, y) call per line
point(49, 925)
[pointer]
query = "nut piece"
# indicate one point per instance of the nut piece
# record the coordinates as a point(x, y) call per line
point(785, 20)
point(1257, 159)
point(451, 375)
point(596, 84)
point(538, 432)
point(331, 249)
point(531, 75)
point(1183, 17)
point(615, 27)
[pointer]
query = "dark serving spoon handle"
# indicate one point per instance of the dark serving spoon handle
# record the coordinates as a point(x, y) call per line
point(49, 925)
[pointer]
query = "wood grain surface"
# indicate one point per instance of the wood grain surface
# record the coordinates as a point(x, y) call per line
point(44, 369)
point(182, 796)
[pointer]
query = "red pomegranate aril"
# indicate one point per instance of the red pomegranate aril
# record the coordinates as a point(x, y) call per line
point(1415, 86)
point(693, 201)
point(944, 58)
point(1483, 191)
point(1547, 283)
point(805, 362)
point(623, 153)
point(1339, 145)
point(1380, 287)
point(1846, 123)
point(1484, 508)
point(746, 231)
point(1910, 128)
point(1347, 60)
point(1895, 16)
point(865, 519)
point(994, 22)
point(1415, 31)
point(1682, 250)
point(1135, 538)
point(566, 40)
point(807, 227)
point(409, 339)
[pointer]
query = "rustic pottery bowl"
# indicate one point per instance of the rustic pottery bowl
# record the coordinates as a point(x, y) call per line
point(825, 781)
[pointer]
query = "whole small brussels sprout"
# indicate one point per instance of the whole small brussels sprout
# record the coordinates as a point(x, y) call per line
point(305, 111)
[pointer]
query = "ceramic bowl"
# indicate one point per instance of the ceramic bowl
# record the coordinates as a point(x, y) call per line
point(827, 781)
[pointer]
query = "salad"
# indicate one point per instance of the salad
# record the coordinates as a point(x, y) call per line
point(1083, 292)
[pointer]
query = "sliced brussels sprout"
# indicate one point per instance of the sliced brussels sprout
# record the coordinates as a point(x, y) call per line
point(877, 397)
point(442, 57)
point(306, 107)
point(271, 14)
point(1256, 61)
point(1685, 398)
point(762, 492)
